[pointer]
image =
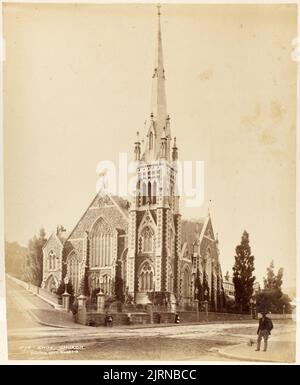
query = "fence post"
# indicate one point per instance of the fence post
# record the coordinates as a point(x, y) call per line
point(66, 301)
point(81, 302)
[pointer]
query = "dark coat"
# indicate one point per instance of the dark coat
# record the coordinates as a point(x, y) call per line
point(265, 324)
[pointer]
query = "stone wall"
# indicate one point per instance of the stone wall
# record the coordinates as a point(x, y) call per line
point(98, 319)
point(163, 317)
point(192, 316)
point(44, 294)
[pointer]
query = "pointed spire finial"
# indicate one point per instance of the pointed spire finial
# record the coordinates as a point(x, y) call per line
point(209, 208)
point(159, 116)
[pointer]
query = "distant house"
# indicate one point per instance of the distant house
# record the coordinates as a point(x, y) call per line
point(228, 286)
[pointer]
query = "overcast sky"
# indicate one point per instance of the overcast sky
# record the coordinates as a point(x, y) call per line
point(77, 84)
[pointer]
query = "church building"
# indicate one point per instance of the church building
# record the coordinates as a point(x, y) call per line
point(142, 249)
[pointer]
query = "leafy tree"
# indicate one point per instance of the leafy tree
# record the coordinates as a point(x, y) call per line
point(15, 257)
point(221, 298)
point(273, 281)
point(119, 289)
point(34, 260)
point(84, 284)
point(62, 288)
point(243, 278)
point(271, 297)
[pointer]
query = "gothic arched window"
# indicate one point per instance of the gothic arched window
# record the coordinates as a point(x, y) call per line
point(154, 192)
point(73, 270)
point(144, 194)
point(106, 284)
point(146, 278)
point(147, 240)
point(186, 283)
point(94, 283)
point(149, 192)
point(52, 260)
point(101, 244)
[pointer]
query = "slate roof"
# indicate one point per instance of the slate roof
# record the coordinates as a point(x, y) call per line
point(191, 230)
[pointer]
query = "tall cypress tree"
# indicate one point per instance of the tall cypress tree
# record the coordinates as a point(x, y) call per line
point(205, 286)
point(243, 278)
point(198, 287)
point(212, 299)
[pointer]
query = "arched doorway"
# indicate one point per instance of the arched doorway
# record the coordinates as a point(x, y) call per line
point(51, 284)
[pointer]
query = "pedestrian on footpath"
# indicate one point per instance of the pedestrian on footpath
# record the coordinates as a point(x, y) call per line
point(264, 331)
point(108, 320)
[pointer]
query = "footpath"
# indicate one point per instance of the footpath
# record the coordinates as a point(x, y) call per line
point(281, 349)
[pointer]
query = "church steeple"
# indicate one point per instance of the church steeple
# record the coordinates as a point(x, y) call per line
point(159, 119)
point(154, 235)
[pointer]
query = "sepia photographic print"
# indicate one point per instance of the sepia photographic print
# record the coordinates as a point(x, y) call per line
point(149, 183)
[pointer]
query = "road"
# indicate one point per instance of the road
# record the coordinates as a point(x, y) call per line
point(28, 340)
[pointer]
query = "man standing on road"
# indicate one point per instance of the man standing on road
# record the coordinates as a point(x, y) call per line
point(264, 330)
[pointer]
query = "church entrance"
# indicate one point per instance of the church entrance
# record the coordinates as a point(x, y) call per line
point(51, 284)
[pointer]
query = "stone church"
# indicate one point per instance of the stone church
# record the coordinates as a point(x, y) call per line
point(144, 246)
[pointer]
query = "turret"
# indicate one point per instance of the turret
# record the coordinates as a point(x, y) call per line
point(164, 145)
point(174, 151)
point(137, 147)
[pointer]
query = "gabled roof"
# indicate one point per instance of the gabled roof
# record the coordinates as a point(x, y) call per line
point(119, 203)
point(122, 204)
point(191, 230)
point(56, 237)
point(147, 219)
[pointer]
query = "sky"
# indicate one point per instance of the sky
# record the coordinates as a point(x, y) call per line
point(77, 86)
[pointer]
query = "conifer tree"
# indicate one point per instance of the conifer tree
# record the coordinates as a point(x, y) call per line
point(243, 278)
point(198, 287)
point(205, 287)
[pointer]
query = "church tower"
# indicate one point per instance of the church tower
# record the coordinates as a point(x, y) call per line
point(154, 240)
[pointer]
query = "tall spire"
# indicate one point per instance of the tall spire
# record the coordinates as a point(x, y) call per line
point(159, 117)
point(159, 102)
